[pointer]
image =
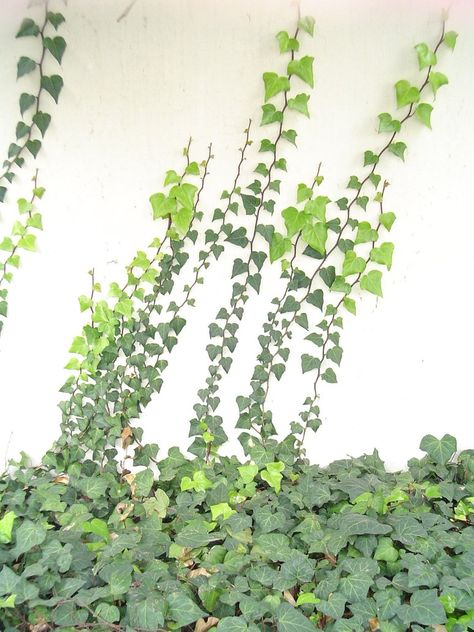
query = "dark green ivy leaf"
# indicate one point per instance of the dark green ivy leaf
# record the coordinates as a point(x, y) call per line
point(28, 28)
point(56, 46)
point(53, 85)
point(25, 65)
point(42, 121)
point(26, 101)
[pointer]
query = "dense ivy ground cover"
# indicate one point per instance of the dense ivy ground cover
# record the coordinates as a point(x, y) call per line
point(230, 547)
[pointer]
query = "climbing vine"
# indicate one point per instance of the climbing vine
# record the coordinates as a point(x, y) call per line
point(106, 535)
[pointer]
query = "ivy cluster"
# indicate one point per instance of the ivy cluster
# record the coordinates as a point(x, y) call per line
point(93, 539)
point(241, 548)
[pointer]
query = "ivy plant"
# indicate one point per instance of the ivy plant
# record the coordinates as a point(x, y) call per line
point(104, 534)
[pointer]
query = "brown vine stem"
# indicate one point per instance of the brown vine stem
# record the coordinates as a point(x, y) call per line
point(9, 163)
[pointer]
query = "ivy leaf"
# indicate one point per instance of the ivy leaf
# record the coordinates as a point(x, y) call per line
point(386, 551)
point(398, 149)
point(316, 298)
point(33, 147)
point(309, 363)
point(28, 535)
point(279, 246)
point(315, 235)
point(56, 19)
point(439, 450)
point(352, 264)
point(437, 79)
point(53, 85)
point(274, 84)
point(423, 113)
point(56, 46)
point(26, 101)
point(372, 282)
point(370, 158)
point(317, 207)
point(425, 608)
point(450, 39)
point(329, 376)
point(334, 606)
point(162, 205)
point(27, 242)
point(9, 602)
point(290, 305)
point(335, 354)
point(289, 135)
point(355, 587)
point(21, 130)
point(232, 624)
point(302, 68)
point(406, 93)
point(387, 219)
point(184, 194)
point(350, 305)
point(365, 233)
point(6, 527)
point(272, 475)
point(109, 613)
point(339, 285)
point(182, 220)
point(307, 24)
point(388, 124)
point(192, 169)
point(300, 104)
point(426, 57)
point(289, 619)
point(294, 220)
point(42, 121)
point(287, 43)
point(25, 65)
point(28, 28)
point(270, 114)
point(383, 254)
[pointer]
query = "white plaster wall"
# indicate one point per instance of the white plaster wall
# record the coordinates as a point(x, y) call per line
point(134, 91)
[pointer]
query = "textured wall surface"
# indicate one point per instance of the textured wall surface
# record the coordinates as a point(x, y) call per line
point(135, 90)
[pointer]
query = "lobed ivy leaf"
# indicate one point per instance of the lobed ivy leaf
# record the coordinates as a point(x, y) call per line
point(289, 619)
point(274, 84)
point(302, 68)
point(426, 57)
point(439, 450)
point(299, 103)
point(406, 94)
